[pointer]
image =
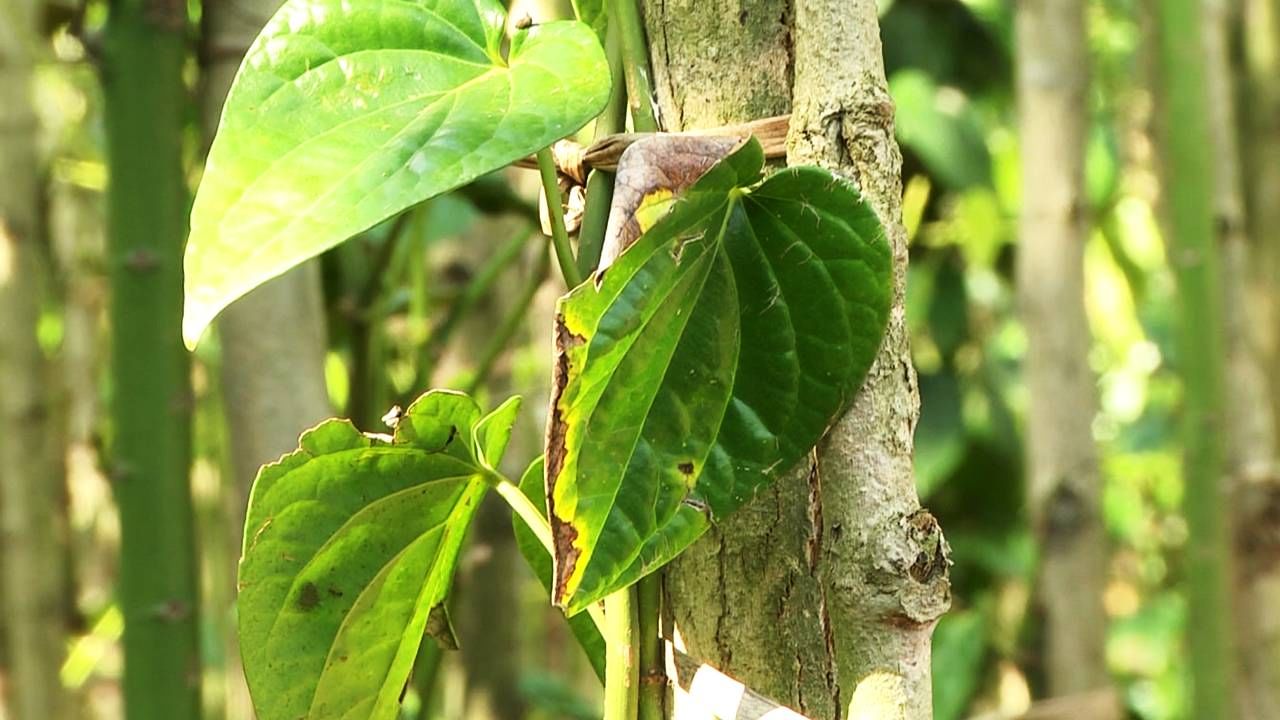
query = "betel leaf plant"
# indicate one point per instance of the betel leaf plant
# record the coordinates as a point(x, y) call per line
point(731, 323)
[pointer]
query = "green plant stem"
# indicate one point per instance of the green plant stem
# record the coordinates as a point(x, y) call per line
point(146, 113)
point(559, 236)
point(1193, 256)
point(510, 324)
point(622, 659)
point(635, 60)
point(595, 216)
point(652, 672)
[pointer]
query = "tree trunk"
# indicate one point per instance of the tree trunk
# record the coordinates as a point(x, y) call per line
point(145, 107)
point(273, 339)
point(1188, 202)
point(1249, 303)
point(30, 477)
point(1063, 476)
point(836, 576)
point(1261, 25)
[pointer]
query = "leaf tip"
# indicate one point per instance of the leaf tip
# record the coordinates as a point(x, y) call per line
point(195, 320)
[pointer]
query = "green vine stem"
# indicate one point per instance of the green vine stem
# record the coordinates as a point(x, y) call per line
point(621, 658)
point(595, 215)
point(652, 673)
point(635, 60)
point(559, 236)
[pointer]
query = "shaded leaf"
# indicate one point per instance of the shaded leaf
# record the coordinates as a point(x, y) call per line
point(593, 13)
point(493, 432)
point(349, 551)
point(708, 359)
point(583, 628)
point(346, 112)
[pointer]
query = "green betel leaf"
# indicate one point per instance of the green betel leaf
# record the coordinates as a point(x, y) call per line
point(584, 629)
point(349, 551)
point(706, 361)
point(346, 112)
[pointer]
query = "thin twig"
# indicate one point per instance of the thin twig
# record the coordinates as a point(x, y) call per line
point(510, 324)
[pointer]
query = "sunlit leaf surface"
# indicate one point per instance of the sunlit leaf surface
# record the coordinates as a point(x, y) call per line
point(346, 112)
point(350, 545)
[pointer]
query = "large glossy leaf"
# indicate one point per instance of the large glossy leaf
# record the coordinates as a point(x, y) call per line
point(709, 358)
point(539, 559)
point(350, 545)
point(346, 112)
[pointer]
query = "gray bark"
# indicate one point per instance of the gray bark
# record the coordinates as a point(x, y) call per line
point(1062, 473)
point(1251, 460)
point(30, 476)
point(822, 593)
point(273, 339)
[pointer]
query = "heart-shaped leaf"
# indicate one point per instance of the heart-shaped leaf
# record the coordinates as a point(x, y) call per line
point(583, 627)
point(709, 358)
point(350, 547)
point(346, 112)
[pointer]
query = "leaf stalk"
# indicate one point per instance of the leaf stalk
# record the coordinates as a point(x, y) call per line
point(559, 235)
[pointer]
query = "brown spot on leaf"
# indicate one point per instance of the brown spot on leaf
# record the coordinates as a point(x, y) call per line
point(440, 628)
point(308, 597)
point(685, 468)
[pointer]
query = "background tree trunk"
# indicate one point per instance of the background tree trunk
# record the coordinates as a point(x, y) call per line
point(273, 339)
point(32, 597)
point(1188, 200)
point(1064, 486)
point(145, 108)
point(836, 575)
point(1249, 303)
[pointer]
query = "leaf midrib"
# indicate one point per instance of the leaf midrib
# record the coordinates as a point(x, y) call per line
point(730, 203)
point(443, 528)
point(275, 619)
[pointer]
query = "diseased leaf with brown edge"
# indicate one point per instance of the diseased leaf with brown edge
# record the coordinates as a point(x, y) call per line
point(349, 551)
point(583, 627)
point(708, 359)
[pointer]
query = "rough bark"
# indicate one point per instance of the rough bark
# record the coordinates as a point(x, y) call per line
point(1064, 486)
point(145, 103)
point(274, 338)
point(30, 477)
point(836, 576)
point(1249, 300)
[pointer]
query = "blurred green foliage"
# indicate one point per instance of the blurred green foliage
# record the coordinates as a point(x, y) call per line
point(950, 76)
